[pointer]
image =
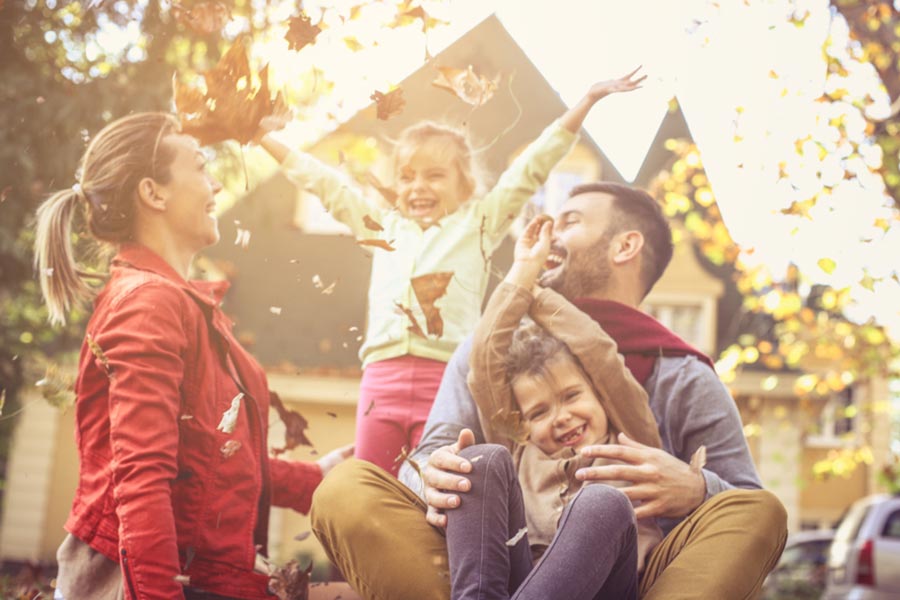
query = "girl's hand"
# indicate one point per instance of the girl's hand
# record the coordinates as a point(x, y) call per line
point(279, 118)
point(623, 84)
point(531, 252)
point(334, 458)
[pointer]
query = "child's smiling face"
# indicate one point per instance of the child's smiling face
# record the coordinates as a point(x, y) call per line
point(430, 185)
point(560, 407)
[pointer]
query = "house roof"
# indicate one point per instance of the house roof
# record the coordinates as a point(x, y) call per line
point(289, 323)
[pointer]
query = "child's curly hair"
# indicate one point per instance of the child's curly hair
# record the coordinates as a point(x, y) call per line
point(532, 349)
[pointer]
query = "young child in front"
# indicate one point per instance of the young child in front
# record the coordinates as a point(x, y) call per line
point(442, 231)
point(544, 390)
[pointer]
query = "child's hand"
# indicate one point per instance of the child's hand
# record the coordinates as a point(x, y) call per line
point(531, 252)
point(623, 84)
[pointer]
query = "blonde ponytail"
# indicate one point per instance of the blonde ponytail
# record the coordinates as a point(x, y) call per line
point(54, 260)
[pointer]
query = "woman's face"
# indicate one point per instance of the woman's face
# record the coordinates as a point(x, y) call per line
point(190, 195)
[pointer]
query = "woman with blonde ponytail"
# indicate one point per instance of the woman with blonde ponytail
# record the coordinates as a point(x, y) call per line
point(175, 480)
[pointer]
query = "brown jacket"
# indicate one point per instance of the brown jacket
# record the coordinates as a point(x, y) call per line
point(548, 482)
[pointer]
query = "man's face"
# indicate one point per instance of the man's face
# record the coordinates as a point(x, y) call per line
point(579, 256)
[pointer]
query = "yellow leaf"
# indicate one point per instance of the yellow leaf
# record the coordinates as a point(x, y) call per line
point(828, 265)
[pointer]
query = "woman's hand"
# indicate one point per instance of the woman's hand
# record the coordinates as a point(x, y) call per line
point(334, 458)
point(531, 252)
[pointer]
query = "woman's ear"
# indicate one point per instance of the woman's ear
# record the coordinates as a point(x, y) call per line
point(150, 195)
point(627, 246)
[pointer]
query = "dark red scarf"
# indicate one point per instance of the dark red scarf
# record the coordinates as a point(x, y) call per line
point(640, 337)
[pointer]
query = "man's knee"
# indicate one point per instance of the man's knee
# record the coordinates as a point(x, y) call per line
point(347, 493)
point(759, 513)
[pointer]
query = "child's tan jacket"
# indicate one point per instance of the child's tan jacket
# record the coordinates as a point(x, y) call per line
point(548, 482)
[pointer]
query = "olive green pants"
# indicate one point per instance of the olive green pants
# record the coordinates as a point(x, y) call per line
point(373, 528)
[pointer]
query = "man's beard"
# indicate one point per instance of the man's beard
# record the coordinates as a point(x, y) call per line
point(584, 273)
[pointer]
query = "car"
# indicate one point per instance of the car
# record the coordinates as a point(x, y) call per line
point(864, 559)
point(800, 572)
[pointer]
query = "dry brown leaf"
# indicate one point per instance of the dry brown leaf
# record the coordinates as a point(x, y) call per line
point(465, 84)
point(232, 107)
point(405, 457)
point(291, 582)
point(390, 104)
point(294, 423)
point(406, 14)
point(385, 245)
point(203, 17)
point(428, 289)
point(301, 32)
point(372, 224)
point(97, 351)
point(387, 193)
point(414, 326)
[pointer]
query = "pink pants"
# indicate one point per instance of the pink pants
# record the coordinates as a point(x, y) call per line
point(395, 396)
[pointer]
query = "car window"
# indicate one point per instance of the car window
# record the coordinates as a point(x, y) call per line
point(849, 527)
point(892, 526)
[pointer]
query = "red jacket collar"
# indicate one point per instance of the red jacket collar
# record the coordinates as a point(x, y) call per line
point(137, 256)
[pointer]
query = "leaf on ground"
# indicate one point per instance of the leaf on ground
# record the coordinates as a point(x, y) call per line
point(229, 417)
point(390, 104)
point(414, 326)
point(516, 538)
point(294, 423)
point(387, 193)
point(301, 32)
point(465, 84)
point(371, 224)
point(428, 289)
point(97, 351)
point(231, 106)
point(203, 17)
point(291, 582)
point(378, 243)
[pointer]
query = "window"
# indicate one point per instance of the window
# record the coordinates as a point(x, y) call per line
point(892, 526)
point(691, 317)
point(837, 420)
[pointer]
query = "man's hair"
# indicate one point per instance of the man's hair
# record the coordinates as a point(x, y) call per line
point(636, 209)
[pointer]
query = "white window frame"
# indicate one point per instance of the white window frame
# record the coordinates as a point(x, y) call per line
point(707, 317)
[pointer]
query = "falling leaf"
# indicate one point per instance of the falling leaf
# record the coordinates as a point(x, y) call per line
point(372, 224)
point(2, 400)
point(243, 238)
point(390, 104)
point(378, 243)
point(291, 582)
point(203, 17)
point(97, 351)
point(465, 84)
point(826, 264)
point(326, 290)
point(882, 224)
point(773, 74)
point(353, 44)
point(868, 281)
point(5, 194)
point(387, 193)
point(516, 538)
point(229, 417)
point(698, 459)
point(369, 408)
point(428, 289)
point(302, 536)
point(414, 326)
point(406, 14)
point(231, 107)
point(55, 387)
point(229, 448)
point(301, 32)
point(405, 457)
point(275, 310)
point(294, 423)
point(331, 414)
